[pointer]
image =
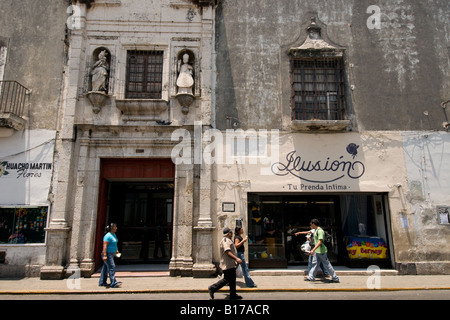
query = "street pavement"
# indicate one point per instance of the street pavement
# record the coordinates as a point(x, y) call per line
point(266, 280)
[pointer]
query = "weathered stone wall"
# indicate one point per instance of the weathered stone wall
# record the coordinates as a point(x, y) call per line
point(36, 54)
point(399, 73)
point(33, 33)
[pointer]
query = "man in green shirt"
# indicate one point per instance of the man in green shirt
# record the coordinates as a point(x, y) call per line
point(319, 253)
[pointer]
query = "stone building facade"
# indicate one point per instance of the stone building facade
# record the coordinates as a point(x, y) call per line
point(357, 92)
point(138, 71)
point(32, 60)
point(177, 118)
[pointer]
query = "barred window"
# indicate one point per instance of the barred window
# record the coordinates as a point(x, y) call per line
point(317, 89)
point(144, 75)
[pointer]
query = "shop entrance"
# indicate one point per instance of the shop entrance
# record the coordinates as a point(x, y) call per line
point(137, 194)
point(352, 220)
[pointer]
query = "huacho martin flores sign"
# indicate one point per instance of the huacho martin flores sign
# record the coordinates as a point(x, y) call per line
point(327, 173)
point(24, 169)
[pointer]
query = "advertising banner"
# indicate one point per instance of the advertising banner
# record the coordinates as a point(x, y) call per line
point(26, 166)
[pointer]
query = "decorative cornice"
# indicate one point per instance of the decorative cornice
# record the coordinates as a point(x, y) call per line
point(315, 42)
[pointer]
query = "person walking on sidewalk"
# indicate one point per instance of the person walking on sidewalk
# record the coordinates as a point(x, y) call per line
point(108, 253)
point(310, 235)
point(228, 260)
point(239, 244)
point(319, 253)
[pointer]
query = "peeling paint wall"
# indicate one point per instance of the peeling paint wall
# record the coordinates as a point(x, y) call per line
point(36, 52)
point(34, 34)
point(427, 156)
point(397, 74)
point(400, 72)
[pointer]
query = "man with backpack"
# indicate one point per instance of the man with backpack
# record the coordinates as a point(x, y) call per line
point(311, 244)
point(319, 253)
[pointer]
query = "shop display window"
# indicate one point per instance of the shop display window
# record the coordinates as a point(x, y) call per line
point(21, 225)
point(356, 224)
point(266, 236)
point(364, 231)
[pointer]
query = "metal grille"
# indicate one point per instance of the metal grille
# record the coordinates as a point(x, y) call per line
point(317, 89)
point(12, 97)
point(144, 74)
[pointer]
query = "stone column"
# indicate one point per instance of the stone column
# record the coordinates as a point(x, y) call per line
point(59, 227)
point(84, 212)
point(204, 228)
point(181, 261)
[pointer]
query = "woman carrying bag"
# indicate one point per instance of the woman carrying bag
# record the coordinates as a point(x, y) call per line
point(239, 244)
point(109, 251)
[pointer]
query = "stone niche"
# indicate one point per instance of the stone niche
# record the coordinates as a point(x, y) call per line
point(99, 75)
point(185, 82)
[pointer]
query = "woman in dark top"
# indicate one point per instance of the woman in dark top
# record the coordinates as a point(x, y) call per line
point(239, 244)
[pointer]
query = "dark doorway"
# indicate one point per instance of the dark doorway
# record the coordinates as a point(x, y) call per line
point(143, 211)
point(132, 190)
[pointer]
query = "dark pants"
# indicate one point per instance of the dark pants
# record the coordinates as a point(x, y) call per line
point(229, 278)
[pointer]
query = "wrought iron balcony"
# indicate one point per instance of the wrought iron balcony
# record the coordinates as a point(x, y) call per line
point(13, 97)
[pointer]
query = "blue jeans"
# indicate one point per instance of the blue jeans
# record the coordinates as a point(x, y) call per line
point(321, 258)
point(310, 259)
point(248, 281)
point(109, 268)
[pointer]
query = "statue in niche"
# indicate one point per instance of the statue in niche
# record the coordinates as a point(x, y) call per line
point(185, 80)
point(100, 72)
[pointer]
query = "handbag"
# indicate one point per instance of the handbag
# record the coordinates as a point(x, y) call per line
point(239, 273)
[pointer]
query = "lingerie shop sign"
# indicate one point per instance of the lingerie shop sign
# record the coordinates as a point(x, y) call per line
point(328, 173)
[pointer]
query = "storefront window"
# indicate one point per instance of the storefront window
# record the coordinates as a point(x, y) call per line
point(21, 225)
point(266, 243)
point(364, 231)
point(356, 224)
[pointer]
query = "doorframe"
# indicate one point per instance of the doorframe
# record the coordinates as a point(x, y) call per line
point(125, 169)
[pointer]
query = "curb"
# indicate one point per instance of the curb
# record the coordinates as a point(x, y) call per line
point(248, 290)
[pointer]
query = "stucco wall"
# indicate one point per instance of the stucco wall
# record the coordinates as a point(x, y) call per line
point(36, 54)
point(398, 72)
point(427, 157)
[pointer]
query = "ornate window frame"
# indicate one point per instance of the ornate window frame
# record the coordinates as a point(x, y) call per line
point(315, 48)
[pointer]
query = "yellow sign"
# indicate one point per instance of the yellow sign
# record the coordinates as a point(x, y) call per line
point(366, 248)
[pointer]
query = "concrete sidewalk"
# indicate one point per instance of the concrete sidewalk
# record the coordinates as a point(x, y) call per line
point(266, 280)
